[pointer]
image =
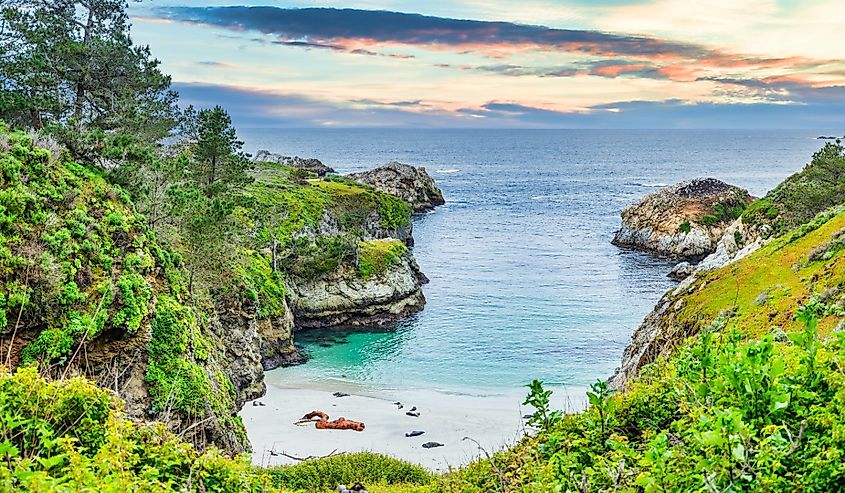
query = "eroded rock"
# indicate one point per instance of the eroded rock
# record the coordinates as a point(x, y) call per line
point(344, 298)
point(685, 220)
point(308, 164)
point(412, 184)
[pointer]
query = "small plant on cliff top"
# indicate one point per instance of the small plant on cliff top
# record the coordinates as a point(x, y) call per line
point(685, 227)
point(538, 398)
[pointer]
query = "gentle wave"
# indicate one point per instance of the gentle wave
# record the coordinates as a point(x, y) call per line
point(648, 185)
point(447, 171)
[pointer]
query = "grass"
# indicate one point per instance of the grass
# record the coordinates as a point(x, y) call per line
point(375, 256)
point(782, 270)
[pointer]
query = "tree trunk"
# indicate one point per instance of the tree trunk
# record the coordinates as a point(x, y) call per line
point(80, 84)
point(35, 116)
point(211, 174)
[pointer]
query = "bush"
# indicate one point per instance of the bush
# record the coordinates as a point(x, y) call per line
point(375, 256)
point(69, 436)
point(326, 474)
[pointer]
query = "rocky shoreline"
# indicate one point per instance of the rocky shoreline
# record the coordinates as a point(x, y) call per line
point(698, 222)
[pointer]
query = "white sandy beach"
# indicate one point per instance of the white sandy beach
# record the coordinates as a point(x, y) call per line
point(494, 421)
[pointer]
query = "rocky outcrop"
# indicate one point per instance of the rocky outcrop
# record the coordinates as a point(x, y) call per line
point(685, 220)
point(371, 225)
point(738, 241)
point(412, 184)
point(313, 165)
point(651, 337)
point(346, 299)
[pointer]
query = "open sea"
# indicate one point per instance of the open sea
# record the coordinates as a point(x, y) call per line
point(524, 281)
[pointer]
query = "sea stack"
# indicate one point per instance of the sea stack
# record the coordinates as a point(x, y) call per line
point(683, 221)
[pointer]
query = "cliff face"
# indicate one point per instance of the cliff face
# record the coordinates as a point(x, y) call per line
point(682, 221)
point(343, 248)
point(378, 291)
point(412, 184)
point(87, 289)
point(757, 292)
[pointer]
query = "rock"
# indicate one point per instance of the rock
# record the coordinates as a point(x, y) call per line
point(681, 271)
point(414, 408)
point(738, 241)
point(340, 394)
point(432, 444)
point(312, 165)
point(344, 299)
point(685, 220)
point(413, 414)
point(412, 434)
point(371, 226)
point(412, 184)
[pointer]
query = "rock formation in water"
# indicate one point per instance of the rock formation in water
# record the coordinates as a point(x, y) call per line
point(308, 164)
point(380, 295)
point(685, 220)
point(412, 184)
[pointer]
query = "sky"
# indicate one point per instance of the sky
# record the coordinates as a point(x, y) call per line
point(505, 64)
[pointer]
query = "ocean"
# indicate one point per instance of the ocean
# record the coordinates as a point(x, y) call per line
point(524, 281)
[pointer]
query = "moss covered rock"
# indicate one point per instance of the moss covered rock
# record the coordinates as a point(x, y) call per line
point(379, 286)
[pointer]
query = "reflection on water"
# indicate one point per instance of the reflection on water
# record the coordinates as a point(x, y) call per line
point(524, 281)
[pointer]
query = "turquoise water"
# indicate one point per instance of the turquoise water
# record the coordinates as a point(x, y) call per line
point(524, 281)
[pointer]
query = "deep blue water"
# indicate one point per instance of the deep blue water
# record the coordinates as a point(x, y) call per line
point(524, 281)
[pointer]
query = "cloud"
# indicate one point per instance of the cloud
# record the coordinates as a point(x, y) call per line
point(823, 109)
point(211, 63)
point(351, 29)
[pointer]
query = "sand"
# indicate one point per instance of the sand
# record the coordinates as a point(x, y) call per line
point(493, 421)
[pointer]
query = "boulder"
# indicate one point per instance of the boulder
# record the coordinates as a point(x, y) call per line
point(412, 184)
point(683, 221)
point(681, 271)
point(313, 165)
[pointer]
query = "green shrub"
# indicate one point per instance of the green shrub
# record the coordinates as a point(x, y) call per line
point(69, 436)
point(326, 474)
point(375, 256)
point(799, 198)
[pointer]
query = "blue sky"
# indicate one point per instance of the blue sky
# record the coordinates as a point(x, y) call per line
point(491, 63)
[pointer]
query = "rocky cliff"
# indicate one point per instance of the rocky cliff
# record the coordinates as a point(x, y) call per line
point(684, 220)
point(756, 292)
point(380, 288)
point(86, 288)
point(412, 184)
point(308, 164)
